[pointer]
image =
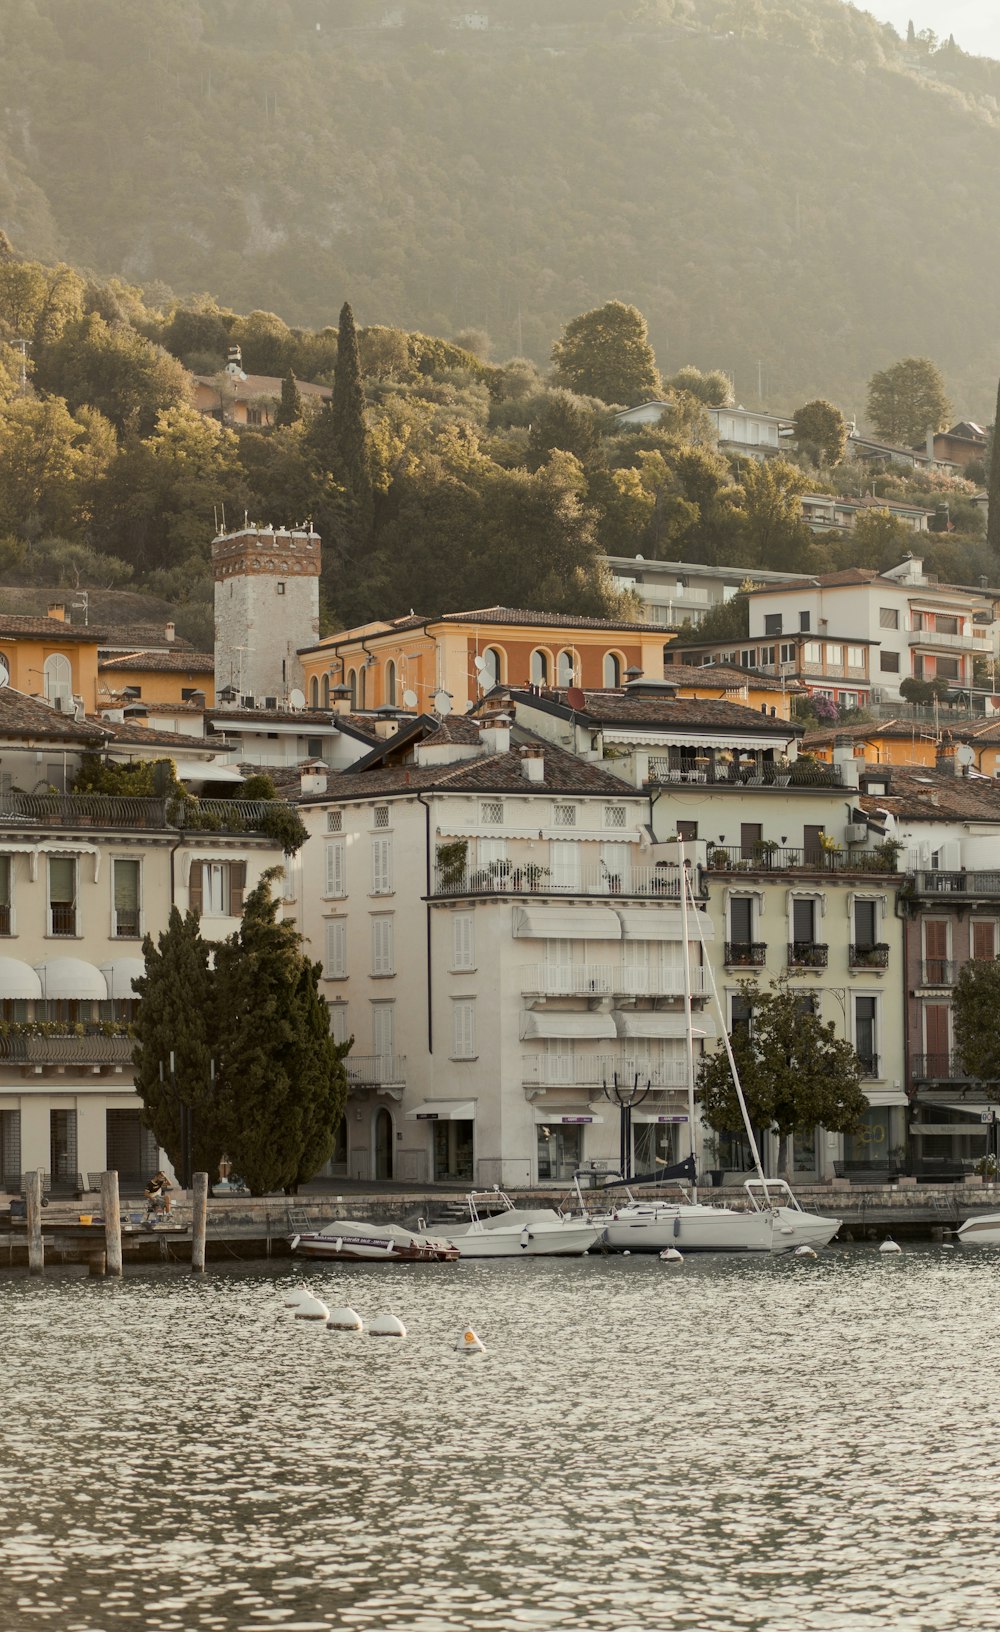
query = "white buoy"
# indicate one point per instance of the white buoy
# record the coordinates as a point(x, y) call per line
point(805, 1252)
point(469, 1343)
point(948, 1246)
point(386, 1326)
point(670, 1255)
point(310, 1308)
point(294, 1295)
point(626, 1253)
point(889, 1245)
point(345, 1320)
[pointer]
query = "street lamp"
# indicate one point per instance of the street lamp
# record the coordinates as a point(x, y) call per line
point(625, 1098)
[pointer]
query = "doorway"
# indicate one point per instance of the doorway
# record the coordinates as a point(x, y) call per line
point(383, 1144)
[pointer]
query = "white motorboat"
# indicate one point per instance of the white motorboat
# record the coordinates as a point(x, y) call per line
point(772, 1221)
point(981, 1232)
point(373, 1243)
point(520, 1232)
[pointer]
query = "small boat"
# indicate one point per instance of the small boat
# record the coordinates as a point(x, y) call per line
point(981, 1232)
point(374, 1243)
point(773, 1221)
point(520, 1232)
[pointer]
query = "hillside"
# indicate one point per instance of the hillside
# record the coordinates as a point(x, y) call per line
point(785, 189)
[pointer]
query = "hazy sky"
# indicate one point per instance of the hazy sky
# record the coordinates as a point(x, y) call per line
point(974, 23)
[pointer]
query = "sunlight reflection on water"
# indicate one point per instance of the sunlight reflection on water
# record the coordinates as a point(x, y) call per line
point(738, 1444)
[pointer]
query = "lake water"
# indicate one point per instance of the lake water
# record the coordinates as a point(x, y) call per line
point(737, 1443)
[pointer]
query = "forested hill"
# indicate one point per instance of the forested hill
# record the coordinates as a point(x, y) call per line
point(787, 189)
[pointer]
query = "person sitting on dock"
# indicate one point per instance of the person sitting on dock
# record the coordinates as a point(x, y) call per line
point(158, 1192)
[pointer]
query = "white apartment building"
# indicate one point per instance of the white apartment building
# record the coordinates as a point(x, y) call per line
point(674, 592)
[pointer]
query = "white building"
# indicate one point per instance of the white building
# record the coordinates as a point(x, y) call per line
point(674, 592)
point(266, 607)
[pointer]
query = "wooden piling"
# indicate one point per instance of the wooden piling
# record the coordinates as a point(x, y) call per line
point(33, 1198)
point(111, 1208)
point(97, 1264)
point(199, 1221)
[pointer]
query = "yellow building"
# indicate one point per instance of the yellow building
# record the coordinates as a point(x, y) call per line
point(913, 743)
point(716, 682)
point(158, 677)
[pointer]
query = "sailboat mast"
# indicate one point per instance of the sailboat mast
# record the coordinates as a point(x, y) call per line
point(688, 1018)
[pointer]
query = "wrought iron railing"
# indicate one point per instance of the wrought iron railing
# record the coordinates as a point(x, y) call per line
point(123, 811)
point(91, 1047)
point(939, 1067)
point(734, 773)
point(861, 956)
point(509, 878)
point(764, 856)
point(745, 954)
point(956, 883)
point(869, 1065)
point(807, 955)
point(938, 972)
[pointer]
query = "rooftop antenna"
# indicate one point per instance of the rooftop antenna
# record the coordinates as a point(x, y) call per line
point(83, 604)
point(215, 513)
point(223, 518)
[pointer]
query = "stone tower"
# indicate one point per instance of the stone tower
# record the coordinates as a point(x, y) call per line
point(266, 607)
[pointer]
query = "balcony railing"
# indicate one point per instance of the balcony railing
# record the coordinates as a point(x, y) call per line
point(868, 957)
point(766, 857)
point(753, 774)
point(62, 918)
point(508, 878)
point(938, 972)
point(960, 883)
point(603, 979)
point(116, 811)
point(92, 1047)
point(807, 955)
point(746, 954)
point(539, 1071)
point(938, 1068)
point(974, 642)
point(376, 1070)
point(869, 1065)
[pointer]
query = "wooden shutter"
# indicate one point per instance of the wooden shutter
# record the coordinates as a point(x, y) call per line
point(936, 1038)
point(382, 946)
point(935, 951)
point(237, 887)
point(464, 1023)
point(463, 946)
point(984, 939)
point(336, 949)
point(383, 1029)
point(196, 886)
point(335, 868)
point(381, 866)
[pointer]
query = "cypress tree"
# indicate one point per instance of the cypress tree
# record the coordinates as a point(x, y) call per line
point(176, 1015)
point(349, 421)
point(993, 509)
point(318, 1073)
point(289, 409)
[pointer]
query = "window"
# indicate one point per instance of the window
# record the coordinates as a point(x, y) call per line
point(865, 924)
point(491, 667)
point(918, 622)
point(741, 920)
point(888, 617)
point(335, 951)
point(62, 1146)
point(381, 816)
point(335, 883)
point(687, 832)
point(381, 866)
point(125, 899)
point(352, 686)
point(339, 1029)
point(362, 688)
point(326, 691)
point(463, 946)
point(614, 815)
point(834, 654)
point(751, 838)
point(564, 815)
point(217, 887)
point(803, 921)
point(948, 668)
point(767, 654)
point(804, 623)
point(565, 669)
point(334, 822)
point(865, 1038)
point(748, 659)
point(566, 867)
point(984, 939)
point(62, 895)
point(741, 1012)
point(314, 747)
point(390, 684)
point(855, 657)
point(947, 626)
point(612, 670)
point(772, 623)
point(491, 812)
point(6, 895)
point(279, 589)
point(463, 1017)
point(812, 652)
point(888, 662)
point(384, 1030)
point(539, 668)
point(314, 692)
point(382, 956)
point(57, 678)
point(787, 652)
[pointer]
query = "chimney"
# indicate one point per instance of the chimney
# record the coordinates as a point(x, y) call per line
point(197, 698)
point(843, 756)
point(494, 734)
point(57, 609)
point(312, 777)
point(234, 361)
point(533, 763)
point(170, 632)
point(946, 759)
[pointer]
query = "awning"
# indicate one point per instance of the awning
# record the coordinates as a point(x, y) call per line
point(443, 1110)
point(643, 1023)
point(952, 1130)
point(571, 1023)
point(774, 735)
point(566, 923)
point(667, 1117)
point(18, 981)
point(200, 770)
point(120, 975)
point(663, 923)
point(552, 1119)
point(72, 978)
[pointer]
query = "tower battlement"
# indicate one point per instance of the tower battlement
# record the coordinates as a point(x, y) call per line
point(276, 551)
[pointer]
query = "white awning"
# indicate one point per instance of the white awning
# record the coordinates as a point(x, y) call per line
point(660, 923)
point(72, 978)
point(884, 1096)
point(120, 975)
point(566, 923)
point(200, 770)
point(575, 1023)
point(18, 981)
point(443, 1110)
point(774, 739)
point(552, 1119)
point(643, 1023)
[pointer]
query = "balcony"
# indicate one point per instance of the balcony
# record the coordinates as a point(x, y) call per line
point(114, 812)
point(508, 878)
point(939, 972)
point(745, 954)
point(986, 885)
point(62, 918)
point(869, 1065)
point(746, 772)
point(764, 856)
point(868, 957)
point(538, 1071)
point(807, 955)
point(376, 1070)
point(86, 1045)
point(607, 980)
point(938, 1068)
point(975, 642)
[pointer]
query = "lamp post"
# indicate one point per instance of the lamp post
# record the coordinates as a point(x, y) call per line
point(626, 1098)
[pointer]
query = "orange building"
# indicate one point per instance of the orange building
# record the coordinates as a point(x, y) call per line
point(716, 682)
point(164, 678)
point(405, 663)
point(914, 743)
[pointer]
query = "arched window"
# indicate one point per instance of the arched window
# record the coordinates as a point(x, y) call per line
point(58, 677)
point(314, 692)
point(539, 668)
point(362, 688)
point(390, 684)
point(491, 671)
point(565, 669)
point(326, 691)
point(352, 682)
point(612, 670)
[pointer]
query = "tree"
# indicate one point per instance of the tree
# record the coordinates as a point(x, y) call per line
point(821, 431)
point(975, 1005)
point(289, 410)
point(908, 400)
point(713, 389)
point(50, 461)
point(768, 501)
point(111, 367)
point(176, 1016)
point(797, 1075)
point(727, 620)
point(605, 353)
point(563, 421)
point(347, 412)
point(281, 1079)
point(878, 539)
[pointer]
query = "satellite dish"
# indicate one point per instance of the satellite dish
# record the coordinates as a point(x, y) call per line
point(297, 698)
point(4, 672)
point(442, 703)
point(575, 697)
point(480, 663)
point(410, 699)
point(964, 754)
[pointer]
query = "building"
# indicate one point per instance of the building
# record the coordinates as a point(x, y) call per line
point(237, 398)
point(676, 592)
point(740, 431)
point(266, 603)
point(157, 677)
point(408, 663)
point(963, 444)
point(59, 661)
point(826, 512)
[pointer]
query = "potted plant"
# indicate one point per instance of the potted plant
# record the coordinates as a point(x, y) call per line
point(533, 875)
point(719, 860)
point(764, 851)
point(711, 1146)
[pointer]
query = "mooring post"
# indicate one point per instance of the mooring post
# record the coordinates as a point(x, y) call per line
point(199, 1221)
point(33, 1199)
point(111, 1208)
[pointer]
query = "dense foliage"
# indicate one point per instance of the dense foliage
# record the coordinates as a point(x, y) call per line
point(975, 1005)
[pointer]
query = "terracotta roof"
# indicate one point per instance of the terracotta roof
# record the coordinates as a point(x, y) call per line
point(660, 713)
point(936, 796)
point(262, 385)
point(725, 677)
point(901, 729)
point(495, 773)
point(827, 580)
point(126, 731)
point(499, 616)
point(15, 625)
point(184, 662)
point(22, 716)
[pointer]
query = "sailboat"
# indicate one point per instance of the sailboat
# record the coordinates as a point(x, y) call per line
point(772, 1221)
